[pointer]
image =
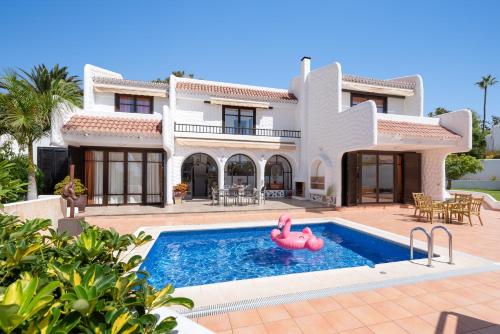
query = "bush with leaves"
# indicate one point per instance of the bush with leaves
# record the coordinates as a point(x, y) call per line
point(457, 165)
point(10, 187)
point(52, 283)
point(78, 186)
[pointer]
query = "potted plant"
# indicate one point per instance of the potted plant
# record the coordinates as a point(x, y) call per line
point(330, 197)
point(80, 191)
point(180, 190)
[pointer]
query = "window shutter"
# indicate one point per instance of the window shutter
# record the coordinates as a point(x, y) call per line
point(412, 176)
point(117, 102)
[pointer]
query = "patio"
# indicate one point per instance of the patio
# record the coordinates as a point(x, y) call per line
point(203, 206)
point(459, 304)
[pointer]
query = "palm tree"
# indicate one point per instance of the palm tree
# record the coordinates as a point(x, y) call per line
point(486, 81)
point(26, 108)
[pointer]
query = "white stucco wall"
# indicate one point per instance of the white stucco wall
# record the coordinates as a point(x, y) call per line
point(493, 139)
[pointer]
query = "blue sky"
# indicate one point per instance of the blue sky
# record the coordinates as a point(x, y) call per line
point(450, 43)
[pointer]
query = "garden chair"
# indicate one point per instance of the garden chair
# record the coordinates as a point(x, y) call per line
point(262, 194)
point(215, 196)
point(430, 208)
point(462, 197)
point(416, 202)
point(472, 208)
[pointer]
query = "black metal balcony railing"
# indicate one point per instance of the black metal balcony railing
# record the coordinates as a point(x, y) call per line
point(235, 131)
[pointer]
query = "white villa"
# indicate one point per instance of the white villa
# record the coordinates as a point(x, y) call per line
point(361, 140)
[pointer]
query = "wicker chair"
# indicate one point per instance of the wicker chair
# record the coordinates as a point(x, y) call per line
point(416, 202)
point(462, 197)
point(430, 208)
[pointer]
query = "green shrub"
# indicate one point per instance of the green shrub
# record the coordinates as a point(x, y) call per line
point(51, 283)
point(79, 187)
point(20, 170)
point(10, 188)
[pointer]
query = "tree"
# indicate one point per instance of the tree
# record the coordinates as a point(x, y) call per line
point(478, 149)
point(26, 108)
point(495, 120)
point(485, 82)
point(179, 74)
point(457, 165)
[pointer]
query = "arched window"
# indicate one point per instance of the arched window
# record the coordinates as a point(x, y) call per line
point(199, 171)
point(240, 170)
point(278, 173)
point(318, 175)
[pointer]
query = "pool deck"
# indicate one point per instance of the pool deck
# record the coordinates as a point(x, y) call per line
point(469, 302)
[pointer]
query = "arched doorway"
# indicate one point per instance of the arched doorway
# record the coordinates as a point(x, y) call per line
point(240, 170)
point(199, 171)
point(278, 174)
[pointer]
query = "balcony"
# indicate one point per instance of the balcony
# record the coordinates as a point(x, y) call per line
point(226, 130)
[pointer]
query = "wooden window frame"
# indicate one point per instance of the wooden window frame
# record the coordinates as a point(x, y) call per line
point(377, 164)
point(370, 97)
point(224, 107)
point(134, 97)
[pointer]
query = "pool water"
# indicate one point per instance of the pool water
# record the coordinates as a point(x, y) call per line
point(187, 258)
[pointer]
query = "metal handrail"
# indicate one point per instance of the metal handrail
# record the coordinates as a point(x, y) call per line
point(450, 241)
point(228, 130)
point(429, 244)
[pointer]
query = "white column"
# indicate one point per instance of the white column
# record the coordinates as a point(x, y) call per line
point(222, 164)
point(261, 169)
point(169, 176)
point(433, 173)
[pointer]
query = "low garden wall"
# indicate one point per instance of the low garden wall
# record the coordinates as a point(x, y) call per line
point(476, 184)
point(49, 207)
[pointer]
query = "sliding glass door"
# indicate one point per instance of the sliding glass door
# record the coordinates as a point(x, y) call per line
point(123, 176)
point(376, 178)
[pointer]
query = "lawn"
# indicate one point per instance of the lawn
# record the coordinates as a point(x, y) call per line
point(494, 193)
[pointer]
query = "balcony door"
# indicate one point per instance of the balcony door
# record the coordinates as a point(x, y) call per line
point(238, 121)
point(377, 178)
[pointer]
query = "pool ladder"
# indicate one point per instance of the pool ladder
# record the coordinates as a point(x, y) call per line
point(430, 243)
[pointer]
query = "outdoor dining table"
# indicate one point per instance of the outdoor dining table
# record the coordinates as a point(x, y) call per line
point(447, 204)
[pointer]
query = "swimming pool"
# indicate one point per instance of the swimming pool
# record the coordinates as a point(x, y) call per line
point(188, 258)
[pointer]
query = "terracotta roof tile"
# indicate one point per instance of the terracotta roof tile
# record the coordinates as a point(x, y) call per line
point(80, 124)
point(130, 83)
point(378, 82)
point(230, 91)
point(407, 129)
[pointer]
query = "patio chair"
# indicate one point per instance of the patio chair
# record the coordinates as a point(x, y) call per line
point(231, 196)
point(430, 208)
point(215, 196)
point(462, 197)
point(472, 208)
point(262, 195)
point(416, 202)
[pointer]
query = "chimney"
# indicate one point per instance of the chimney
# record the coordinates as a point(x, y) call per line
point(305, 67)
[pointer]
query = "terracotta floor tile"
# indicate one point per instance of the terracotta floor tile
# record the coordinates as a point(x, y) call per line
point(488, 289)
point(299, 309)
point(414, 306)
point(342, 320)
point(454, 297)
point(485, 312)
point(362, 330)
point(244, 318)
point(391, 293)
point(349, 300)
point(392, 310)
point(325, 304)
point(368, 315)
point(436, 302)
point(476, 294)
point(387, 328)
point(415, 325)
point(469, 318)
point(314, 324)
point(273, 313)
point(216, 323)
point(490, 330)
point(495, 304)
point(370, 296)
point(287, 326)
point(411, 290)
point(225, 332)
point(256, 329)
point(445, 323)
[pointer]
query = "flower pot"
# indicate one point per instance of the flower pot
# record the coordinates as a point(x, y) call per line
point(81, 203)
point(178, 198)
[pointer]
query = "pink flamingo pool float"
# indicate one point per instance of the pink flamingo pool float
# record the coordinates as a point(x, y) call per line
point(283, 237)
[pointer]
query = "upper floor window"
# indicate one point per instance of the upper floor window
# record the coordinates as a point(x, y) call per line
point(380, 101)
point(134, 103)
point(238, 121)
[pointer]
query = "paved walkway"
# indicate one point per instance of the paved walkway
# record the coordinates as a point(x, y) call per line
point(465, 304)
